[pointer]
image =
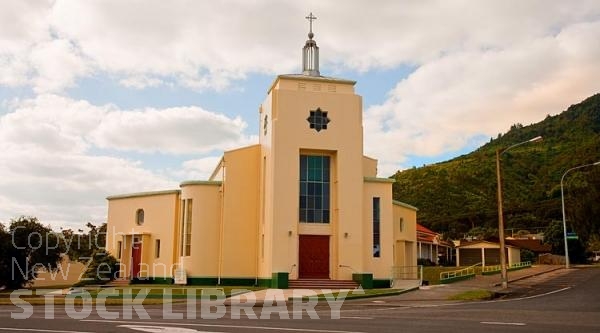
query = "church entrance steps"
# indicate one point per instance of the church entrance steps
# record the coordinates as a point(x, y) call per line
point(119, 283)
point(322, 284)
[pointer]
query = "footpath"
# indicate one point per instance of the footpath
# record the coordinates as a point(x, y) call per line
point(422, 296)
point(440, 294)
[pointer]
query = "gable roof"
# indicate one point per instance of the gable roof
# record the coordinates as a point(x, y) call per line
point(425, 230)
point(534, 245)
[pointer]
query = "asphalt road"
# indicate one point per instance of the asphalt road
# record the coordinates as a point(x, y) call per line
point(562, 303)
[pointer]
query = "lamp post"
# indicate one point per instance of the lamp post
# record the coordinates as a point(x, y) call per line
point(562, 199)
point(503, 269)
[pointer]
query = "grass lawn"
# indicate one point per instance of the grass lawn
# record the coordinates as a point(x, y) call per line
point(127, 294)
point(473, 295)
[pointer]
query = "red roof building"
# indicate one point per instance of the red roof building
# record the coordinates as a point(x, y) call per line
point(431, 246)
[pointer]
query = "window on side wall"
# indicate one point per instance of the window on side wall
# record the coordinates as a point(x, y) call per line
point(119, 249)
point(157, 249)
point(139, 217)
point(376, 227)
point(188, 229)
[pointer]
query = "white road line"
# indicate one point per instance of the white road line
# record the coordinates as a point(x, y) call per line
point(266, 328)
point(501, 323)
point(365, 318)
point(40, 330)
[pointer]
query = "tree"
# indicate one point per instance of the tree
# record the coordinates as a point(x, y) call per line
point(554, 236)
point(82, 246)
point(102, 269)
point(26, 248)
point(90, 248)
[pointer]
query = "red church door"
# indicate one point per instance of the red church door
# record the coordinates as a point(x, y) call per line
point(136, 258)
point(313, 257)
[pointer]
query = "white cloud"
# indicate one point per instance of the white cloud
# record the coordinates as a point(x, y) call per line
point(181, 130)
point(480, 66)
point(52, 168)
point(449, 101)
point(196, 169)
point(207, 45)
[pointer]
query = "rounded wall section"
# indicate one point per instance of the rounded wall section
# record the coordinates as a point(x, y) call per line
point(199, 230)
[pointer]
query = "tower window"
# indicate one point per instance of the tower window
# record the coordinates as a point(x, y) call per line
point(314, 189)
point(376, 227)
point(139, 217)
point(318, 119)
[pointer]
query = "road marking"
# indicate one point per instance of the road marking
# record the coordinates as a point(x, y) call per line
point(365, 318)
point(162, 329)
point(492, 301)
point(220, 326)
point(39, 330)
point(501, 323)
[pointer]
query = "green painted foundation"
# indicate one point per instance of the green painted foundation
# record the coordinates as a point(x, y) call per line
point(280, 280)
point(381, 283)
point(209, 281)
point(364, 279)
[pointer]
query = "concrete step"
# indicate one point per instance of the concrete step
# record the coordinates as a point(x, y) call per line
point(322, 284)
point(119, 283)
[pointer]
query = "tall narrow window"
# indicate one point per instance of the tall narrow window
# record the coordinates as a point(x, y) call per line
point(157, 248)
point(314, 188)
point(139, 217)
point(376, 229)
point(188, 228)
point(182, 227)
point(119, 249)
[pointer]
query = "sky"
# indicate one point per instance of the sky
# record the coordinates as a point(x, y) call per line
point(110, 97)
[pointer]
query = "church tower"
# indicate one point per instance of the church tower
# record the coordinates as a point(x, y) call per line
point(312, 160)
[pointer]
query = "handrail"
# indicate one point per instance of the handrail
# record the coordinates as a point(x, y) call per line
point(459, 272)
point(497, 268)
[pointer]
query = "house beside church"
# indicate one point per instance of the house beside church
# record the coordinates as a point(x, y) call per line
point(302, 204)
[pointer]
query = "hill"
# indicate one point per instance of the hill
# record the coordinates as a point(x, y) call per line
point(460, 194)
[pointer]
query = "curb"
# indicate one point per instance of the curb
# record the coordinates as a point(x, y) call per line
point(529, 276)
point(291, 300)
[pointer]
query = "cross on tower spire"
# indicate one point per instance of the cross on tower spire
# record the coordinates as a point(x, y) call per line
point(310, 52)
point(310, 19)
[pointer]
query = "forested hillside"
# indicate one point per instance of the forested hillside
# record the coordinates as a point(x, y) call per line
point(458, 195)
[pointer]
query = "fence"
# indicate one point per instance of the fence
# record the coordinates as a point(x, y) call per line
point(488, 270)
point(460, 274)
point(406, 273)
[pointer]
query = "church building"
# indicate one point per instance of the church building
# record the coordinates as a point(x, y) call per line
point(304, 204)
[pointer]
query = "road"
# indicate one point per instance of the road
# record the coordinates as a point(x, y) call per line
point(567, 302)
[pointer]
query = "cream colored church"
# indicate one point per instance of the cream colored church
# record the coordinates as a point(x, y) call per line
point(304, 204)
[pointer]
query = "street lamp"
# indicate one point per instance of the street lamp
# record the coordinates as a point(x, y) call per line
point(562, 198)
point(499, 152)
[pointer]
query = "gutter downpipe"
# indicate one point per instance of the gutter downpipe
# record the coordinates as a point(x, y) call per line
point(222, 229)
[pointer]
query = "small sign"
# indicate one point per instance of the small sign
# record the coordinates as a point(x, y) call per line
point(572, 235)
point(180, 276)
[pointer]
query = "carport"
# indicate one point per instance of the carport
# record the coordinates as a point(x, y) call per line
point(486, 253)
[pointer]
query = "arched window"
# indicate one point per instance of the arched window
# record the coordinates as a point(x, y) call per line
point(139, 217)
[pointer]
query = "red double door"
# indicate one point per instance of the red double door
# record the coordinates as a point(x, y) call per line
point(313, 258)
point(136, 259)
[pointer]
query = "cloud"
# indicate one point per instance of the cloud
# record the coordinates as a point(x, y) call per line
point(196, 169)
point(479, 67)
point(181, 130)
point(208, 45)
point(471, 94)
point(58, 161)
